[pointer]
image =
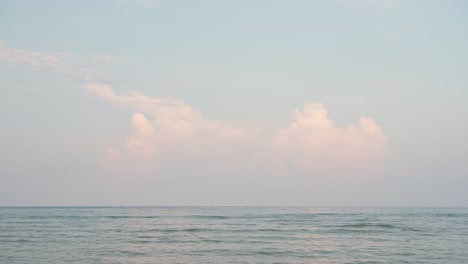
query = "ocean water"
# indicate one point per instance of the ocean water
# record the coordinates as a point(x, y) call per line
point(233, 235)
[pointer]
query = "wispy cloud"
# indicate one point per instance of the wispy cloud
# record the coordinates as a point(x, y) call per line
point(61, 63)
point(108, 59)
point(57, 63)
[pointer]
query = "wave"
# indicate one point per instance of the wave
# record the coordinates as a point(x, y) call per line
point(365, 225)
point(130, 217)
point(450, 215)
point(189, 230)
point(208, 216)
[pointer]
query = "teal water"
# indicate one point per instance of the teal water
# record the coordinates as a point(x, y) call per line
point(233, 235)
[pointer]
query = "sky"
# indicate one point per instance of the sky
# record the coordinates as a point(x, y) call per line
point(218, 102)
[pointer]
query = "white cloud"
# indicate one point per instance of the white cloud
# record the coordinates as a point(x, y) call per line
point(167, 130)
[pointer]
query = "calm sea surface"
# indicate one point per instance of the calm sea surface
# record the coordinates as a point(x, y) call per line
point(233, 235)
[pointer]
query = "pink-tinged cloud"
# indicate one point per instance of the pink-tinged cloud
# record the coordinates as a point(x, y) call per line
point(32, 58)
point(168, 131)
point(59, 63)
point(312, 145)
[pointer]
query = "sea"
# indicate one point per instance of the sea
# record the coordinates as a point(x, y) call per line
point(233, 235)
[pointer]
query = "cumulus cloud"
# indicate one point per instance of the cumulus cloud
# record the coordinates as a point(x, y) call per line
point(165, 130)
point(170, 116)
point(169, 135)
point(312, 145)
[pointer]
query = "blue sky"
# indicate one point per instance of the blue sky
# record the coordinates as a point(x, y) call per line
point(334, 102)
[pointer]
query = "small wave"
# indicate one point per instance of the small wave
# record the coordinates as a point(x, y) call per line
point(273, 253)
point(142, 241)
point(189, 230)
point(16, 241)
point(209, 216)
point(129, 217)
point(412, 229)
point(48, 217)
point(267, 230)
point(212, 240)
point(450, 215)
point(131, 253)
point(117, 217)
point(365, 225)
point(362, 227)
point(144, 236)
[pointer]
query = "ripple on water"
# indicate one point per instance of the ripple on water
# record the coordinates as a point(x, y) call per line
point(234, 235)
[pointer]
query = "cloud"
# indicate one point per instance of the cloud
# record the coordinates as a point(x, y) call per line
point(108, 59)
point(312, 145)
point(53, 62)
point(168, 131)
point(169, 136)
point(169, 115)
point(59, 63)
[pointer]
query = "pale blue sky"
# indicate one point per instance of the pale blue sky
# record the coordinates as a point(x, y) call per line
point(248, 63)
